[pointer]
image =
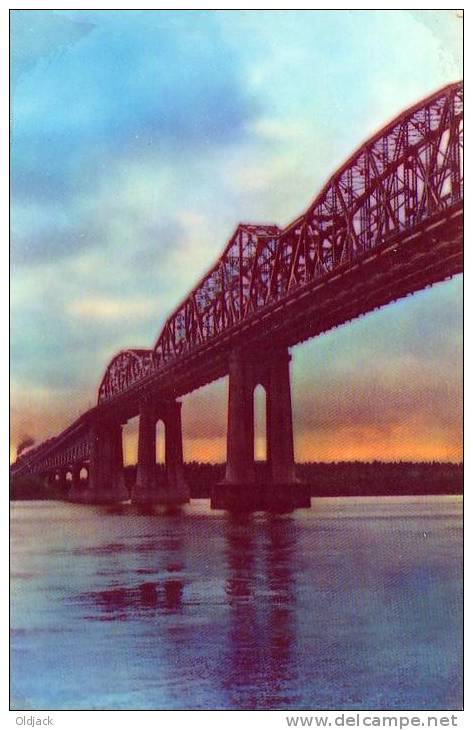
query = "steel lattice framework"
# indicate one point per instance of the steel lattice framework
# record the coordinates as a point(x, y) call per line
point(386, 224)
point(64, 451)
point(408, 172)
point(126, 368)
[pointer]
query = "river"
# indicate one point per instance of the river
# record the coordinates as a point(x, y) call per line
point(354, 604)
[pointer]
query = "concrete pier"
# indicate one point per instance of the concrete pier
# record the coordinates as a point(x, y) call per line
point(148, 489)
point(145, 487)
point(240, 488)
point(106, 478)
point(76, 490)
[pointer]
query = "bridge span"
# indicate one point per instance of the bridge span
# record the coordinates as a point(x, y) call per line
point(387, 224)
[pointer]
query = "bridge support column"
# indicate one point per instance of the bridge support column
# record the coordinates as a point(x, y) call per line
point(106, 478)
point(240, 467)
point(242, 489)
point(145, 488)
point(178, 491)
point(75, 492)
point(61, 482)
point(280, 437)
point(148, 489)
point(50, 479)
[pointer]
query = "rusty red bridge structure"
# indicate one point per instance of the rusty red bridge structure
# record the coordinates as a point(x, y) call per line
point(387, 224)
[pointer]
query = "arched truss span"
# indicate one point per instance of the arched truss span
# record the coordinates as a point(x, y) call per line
point(396, 187)
point(219, 300)
point(126, 368)
point(410, 170)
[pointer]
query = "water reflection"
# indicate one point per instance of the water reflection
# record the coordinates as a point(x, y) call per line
point(260, 590)
point(252, 641)
point(200, 610)
point(117, 602)
point(242, 646)
point(279, 555)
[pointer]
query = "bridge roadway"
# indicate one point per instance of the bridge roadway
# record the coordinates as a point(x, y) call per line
point(414, 248)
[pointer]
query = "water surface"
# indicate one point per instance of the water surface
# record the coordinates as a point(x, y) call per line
point(354, 604)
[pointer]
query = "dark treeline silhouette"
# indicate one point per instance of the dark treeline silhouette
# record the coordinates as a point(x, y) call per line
point(357, 478)
point(350, 478)
point(343, 478)
point(335, 479)
point(33, 487)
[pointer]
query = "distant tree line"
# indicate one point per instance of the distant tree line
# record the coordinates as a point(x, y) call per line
point(335, 479)
point(357, 478)
point(33, 487)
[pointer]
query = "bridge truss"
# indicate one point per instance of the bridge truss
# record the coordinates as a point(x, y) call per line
point(387, 223)
point(408, 172)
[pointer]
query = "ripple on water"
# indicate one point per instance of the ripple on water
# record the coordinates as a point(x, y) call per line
point(354, 604)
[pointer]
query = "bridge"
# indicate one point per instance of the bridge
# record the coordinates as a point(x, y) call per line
point(387, 224)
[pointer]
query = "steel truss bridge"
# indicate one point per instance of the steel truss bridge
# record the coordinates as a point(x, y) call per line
point(388, 223)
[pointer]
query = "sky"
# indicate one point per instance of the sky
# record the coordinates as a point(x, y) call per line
point(139, 141)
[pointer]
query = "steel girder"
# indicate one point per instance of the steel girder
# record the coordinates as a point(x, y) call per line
point(125, 369)
point(54, 454)
point(407, 176)
point(410, 170)
point(407, 173)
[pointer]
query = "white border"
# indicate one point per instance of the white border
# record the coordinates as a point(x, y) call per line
point(205, 719)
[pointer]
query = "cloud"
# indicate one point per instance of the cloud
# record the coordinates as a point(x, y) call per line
point(33, 246)
point(276, 129)
point(37, 36)
point(107, 309)
point(116, 91)
point(140, 140)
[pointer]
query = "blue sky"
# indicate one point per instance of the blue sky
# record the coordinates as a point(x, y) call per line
point(141, 138)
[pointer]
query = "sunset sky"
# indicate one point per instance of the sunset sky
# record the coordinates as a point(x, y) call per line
point(141, 138)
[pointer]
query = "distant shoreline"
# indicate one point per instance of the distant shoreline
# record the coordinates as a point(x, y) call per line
point(336, 479)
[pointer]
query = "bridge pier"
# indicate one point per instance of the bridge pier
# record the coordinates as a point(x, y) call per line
point(106, 478)
point(145, 487)
point(76, 493)
point(148, 490)
point(50, 479)
point(241, 488)
point(279, 419)
point(178, 490)
point(61, 481)
point(240, 467)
